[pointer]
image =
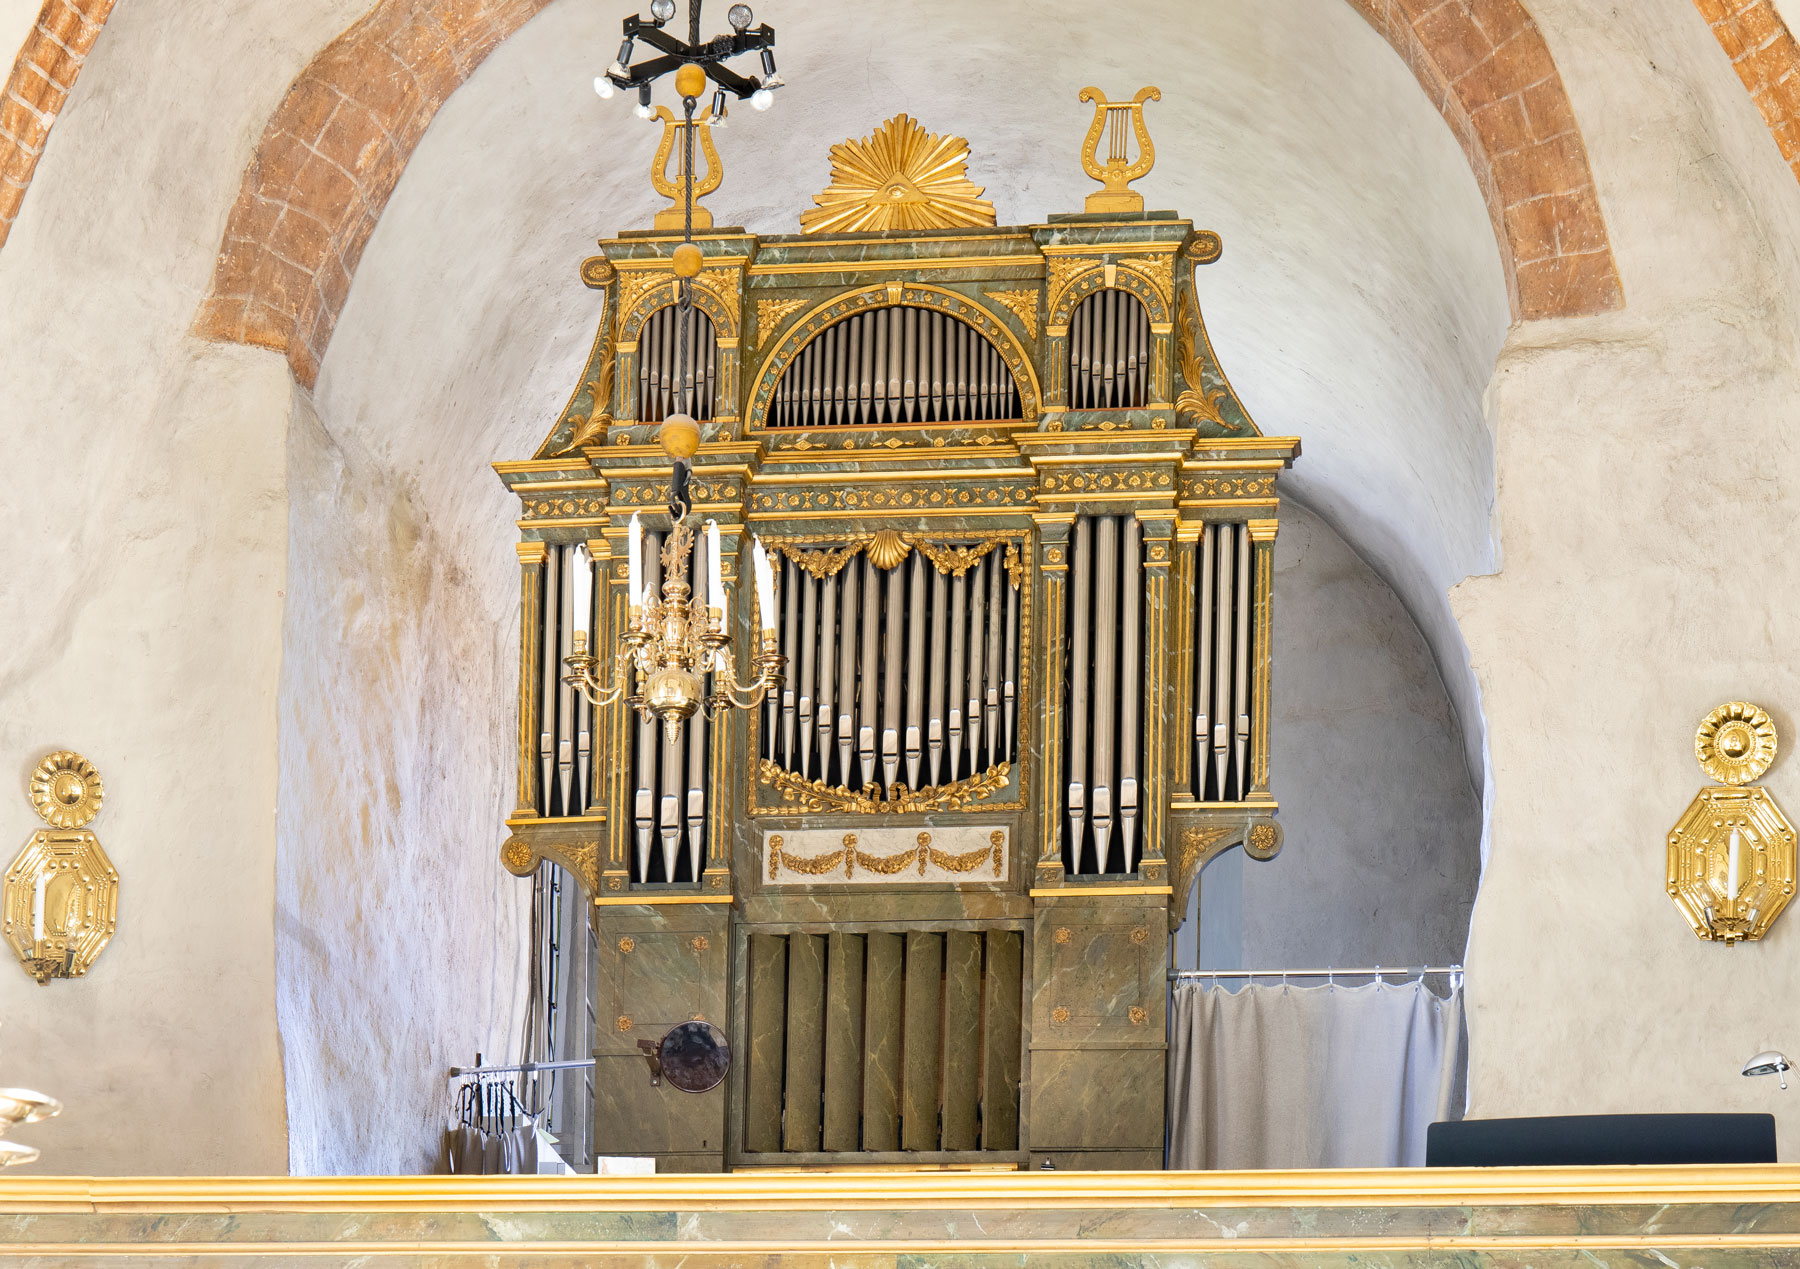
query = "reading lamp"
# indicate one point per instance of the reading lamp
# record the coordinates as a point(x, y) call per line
point(1770, 1063)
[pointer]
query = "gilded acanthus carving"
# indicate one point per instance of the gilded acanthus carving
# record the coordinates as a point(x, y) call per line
point(815, 795)
point(1197, 401)
point(889, 547)
point(770, 314)
point(1023, 305)
point(1192, 849)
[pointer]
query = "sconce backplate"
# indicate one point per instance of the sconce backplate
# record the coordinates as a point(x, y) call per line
point(80, 896)
point(1699, 867)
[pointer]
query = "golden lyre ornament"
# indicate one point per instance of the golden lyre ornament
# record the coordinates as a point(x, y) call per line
point(1731, 859)
point(673, 216)
point(901, 177)
point(1116, 172)
point(60, 903)
point(672, 654)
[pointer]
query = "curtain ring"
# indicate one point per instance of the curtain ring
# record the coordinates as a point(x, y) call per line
point(1378, 978)
point(1331, 978)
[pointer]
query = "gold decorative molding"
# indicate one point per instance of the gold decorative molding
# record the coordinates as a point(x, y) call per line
point(919, 855)
point(1736, 743)
point(66, 790)
point(1023, 305)
point(591, 428)
point(520, 855)
point(1192, 849)
point(1117, 172)
point(770, 314)
point(674, 216)
point(896, 799)
point(888, 548)
point(1060, 271)
point(1195, 401)
point(899, 177)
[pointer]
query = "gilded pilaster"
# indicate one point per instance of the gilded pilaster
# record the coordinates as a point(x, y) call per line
point(612, 754)
point(1053, 563)
point(1159, 702)
point(531, 621)
point(1262, 540)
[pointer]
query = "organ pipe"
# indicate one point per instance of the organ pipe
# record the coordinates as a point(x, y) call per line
point(892, 365)
point(1221, 728)
point(644, 807)
point(886, 664)
point(1106, 669)
point(894, 628)
point(790, 627)
point(1080, 672)
point(664, 386)
point(846, 646)
point(1203, 628)
point(871, 628)
point(1131, 689)
point(1109, 345)
point(915, 670)
point(1240, 661)
point(551, 666)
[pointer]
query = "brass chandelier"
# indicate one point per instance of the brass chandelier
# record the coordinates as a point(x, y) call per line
point(673, 651)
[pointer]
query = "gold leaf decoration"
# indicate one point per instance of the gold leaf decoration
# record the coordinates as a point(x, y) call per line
point(850, 858)
point(900, 177)
point(1195, 399)
point(1023, 305)
point(816, 795)
point(66, 790)
point(771, 313)
point(1736, 743)
point(888, 549)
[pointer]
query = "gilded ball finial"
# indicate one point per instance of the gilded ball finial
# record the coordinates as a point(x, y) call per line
point(687, 260)
point(679, 436)
point(690, 80)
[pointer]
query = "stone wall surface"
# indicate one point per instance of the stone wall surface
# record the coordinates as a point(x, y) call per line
point(143, 532)
point(1647, 468)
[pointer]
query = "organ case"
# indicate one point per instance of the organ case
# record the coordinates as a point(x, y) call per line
point(1023, 532)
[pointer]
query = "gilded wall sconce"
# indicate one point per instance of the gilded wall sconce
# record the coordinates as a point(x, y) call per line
point(61, 895)
point(1732, 853)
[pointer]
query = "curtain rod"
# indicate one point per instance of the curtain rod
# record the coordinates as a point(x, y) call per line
point(1378, 971)
point(524, 1068)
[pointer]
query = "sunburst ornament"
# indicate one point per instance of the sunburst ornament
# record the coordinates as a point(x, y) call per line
point(1736, 742)
point(66, 790)
point(900, 177)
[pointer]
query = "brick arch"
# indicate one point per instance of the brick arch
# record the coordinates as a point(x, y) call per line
point(1485, 66)
point(41, 78)
point(335, 147)
point(1767, 60)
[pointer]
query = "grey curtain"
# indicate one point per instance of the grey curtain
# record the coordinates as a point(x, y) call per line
point(1275, 1076)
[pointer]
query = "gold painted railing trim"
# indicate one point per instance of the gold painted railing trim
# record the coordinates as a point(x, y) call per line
point(889, 1190)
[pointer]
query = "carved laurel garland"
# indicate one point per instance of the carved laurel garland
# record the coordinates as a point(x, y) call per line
point(888, 548)
point(921, 853)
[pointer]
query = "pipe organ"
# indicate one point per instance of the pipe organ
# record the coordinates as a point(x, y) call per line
point(1022, 533)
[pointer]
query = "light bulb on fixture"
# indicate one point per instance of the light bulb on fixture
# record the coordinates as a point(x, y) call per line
point(661, 10)
point(761, 99)
point(740, 17)
point(718, 109)
point(642, 109)
point(770, 78)
point(603, 85)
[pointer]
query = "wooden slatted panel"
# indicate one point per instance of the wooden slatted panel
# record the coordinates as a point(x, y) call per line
point(843, 1042)
point(923, 1071)
point(768, 1008)
point(882, 1022)
point(805, 1055)
point(1000, 1027)
point(962, 1039)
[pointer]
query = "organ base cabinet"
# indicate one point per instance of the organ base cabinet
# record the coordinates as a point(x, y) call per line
point(1022, 533)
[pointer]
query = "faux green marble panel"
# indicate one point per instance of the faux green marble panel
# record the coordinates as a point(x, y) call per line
point(767, 987)
point(1001, 1025)
point(962, 1039)
point(803, 1084)
point(843, 1042)
point(882, 1026)
point(1098, 1099)
point(922, 1063)
point(633, 1118)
